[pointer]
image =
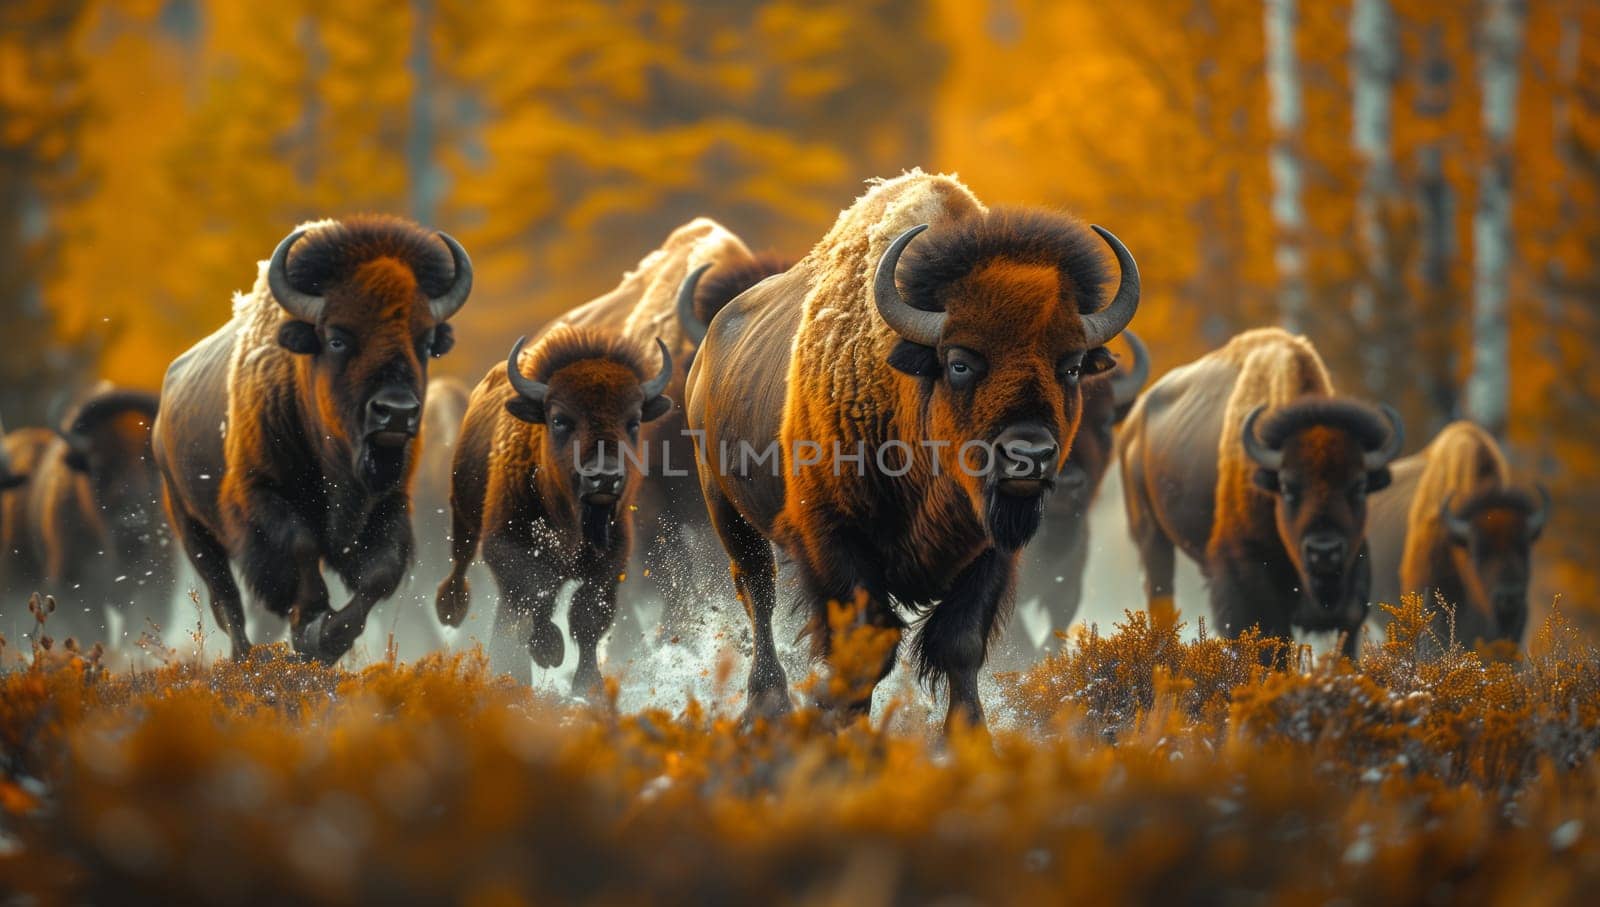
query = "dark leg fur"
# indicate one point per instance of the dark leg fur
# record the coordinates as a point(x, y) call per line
point(594, 607)
point(954, 638)
point(754, 579)
point(528, 590)
point(210, 560)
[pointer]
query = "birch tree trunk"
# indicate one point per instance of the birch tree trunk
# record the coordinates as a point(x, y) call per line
point(1374, 65)
point(422, 179)
point(1287, 116)
point(1436, 209)
point(1488, 389)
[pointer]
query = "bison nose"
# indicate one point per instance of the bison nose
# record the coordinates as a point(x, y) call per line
point(602, 487)
point(1324, 553)
point(394, 410)
point(1027, 452)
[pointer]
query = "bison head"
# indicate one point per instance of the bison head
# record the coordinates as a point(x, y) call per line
point(591, 393)
point(370, 298)
point(1106, 400)
point(1001, 320)
point(108, 442)
point(1321, 458)
point(1491, 536)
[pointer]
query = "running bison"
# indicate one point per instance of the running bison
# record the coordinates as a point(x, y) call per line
point(541, 477)
point(955, 389)
point(1052, 569)
point(1452, 526)
point(287, 438)
point(8, 478)
point(1246, 461)
point(88, 528)
point(664, 298)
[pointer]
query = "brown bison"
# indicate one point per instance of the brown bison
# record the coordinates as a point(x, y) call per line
point(1452, 526)
point(915, 425)
point(88, 529)
point(1052, 568)
point(1273, 509)
point(9, 478)
point(287, 438)
point(665, 298)
point(541, 477)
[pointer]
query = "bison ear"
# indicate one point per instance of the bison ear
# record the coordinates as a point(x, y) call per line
point(444, 340)
point(299, 337)
point(655, 408)
point(1098, 361)
point(8, 482)
point(526, 410)
point(1378, 479)
point(1266, 480)
point(915, 360)
point(76, 460)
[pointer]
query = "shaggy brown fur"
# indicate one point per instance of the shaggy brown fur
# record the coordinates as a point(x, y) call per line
point(642, 308)
point(1013, 285)
point(1484, 576)
point(92, 516)
point(265, 440)
point(1281, 549)
point(516, 486)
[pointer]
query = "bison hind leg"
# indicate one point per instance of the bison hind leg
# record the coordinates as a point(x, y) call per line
point(210, 560)
point(754, 572)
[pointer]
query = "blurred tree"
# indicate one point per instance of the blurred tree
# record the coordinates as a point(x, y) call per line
point(1378, 304)
point(42, 111)
point(1288, 120)
point(1499, 65)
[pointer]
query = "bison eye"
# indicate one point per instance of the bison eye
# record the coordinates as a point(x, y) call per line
point(337, 344)
point(561, 424)
point(963, 367)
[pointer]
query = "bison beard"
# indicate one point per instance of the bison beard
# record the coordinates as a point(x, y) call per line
point(382, 466)
point(597, 521)
point(1013, 520)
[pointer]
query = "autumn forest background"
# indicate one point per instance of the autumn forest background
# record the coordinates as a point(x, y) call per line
point(1413, 183)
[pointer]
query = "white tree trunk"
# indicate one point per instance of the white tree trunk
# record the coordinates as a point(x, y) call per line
point(422, 177)
point(1287, 115)
point(1488, 390)
point(1374, 66)
point(1440, 299)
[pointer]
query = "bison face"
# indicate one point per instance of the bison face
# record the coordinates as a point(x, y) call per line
point(363, 345)
point(1320, 459)
point(1001, 352)
point(112, 451)
point(1491, 538)
point(591, 410)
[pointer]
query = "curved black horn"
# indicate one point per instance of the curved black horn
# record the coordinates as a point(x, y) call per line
point(303, 306)
point(1377, 459)
point(1265, 457)
point(1541, 516)
point(1109, 321)
point(522, 384)
point(1127, 382)
point(1459, 529)
point(911, 323)
point(453, 299)
point(692, 326)
point(654, 387)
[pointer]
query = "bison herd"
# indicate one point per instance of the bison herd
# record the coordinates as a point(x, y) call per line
point(895, 416)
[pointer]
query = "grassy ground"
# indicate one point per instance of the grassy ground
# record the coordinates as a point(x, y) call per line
point(1134, 767)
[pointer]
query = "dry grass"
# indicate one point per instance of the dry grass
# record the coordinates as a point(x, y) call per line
point(1139, 768)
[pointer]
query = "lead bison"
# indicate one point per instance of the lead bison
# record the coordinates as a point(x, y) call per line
point(541, 477)
point(1273, 509)
point(287, 438)
point(88, 528)
point(975, 363)
point(664, 297)
point(1452, 526)
point(1052, 568)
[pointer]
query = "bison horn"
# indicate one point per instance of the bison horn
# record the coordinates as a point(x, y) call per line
point(1377, 459)
point(693, 327)
point(1109, 321)
point(303, 306)
point(1541, 516)
point(454, 298)
point(75, 442)
point(1265, 457)
point(914, 324)
point(654, 387)
point(1127, 382)
point(522, 384)
point(1459, 529)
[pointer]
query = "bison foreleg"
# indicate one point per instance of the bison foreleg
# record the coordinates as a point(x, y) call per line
point(376, 567)
point(594, 607)
point(954, 639)
point(210, 560)
point(528, 589)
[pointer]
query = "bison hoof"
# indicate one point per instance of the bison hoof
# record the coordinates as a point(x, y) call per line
point(241, 650)
point(765, 705)
point(587, 683)
point(546, 645)
point(328, 636)
point(452, 602)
